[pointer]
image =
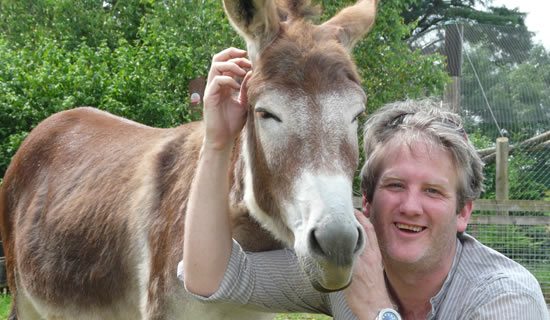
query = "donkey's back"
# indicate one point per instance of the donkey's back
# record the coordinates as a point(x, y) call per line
point(86, 200)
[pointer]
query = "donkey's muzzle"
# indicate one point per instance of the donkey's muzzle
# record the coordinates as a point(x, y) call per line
point(334, 246)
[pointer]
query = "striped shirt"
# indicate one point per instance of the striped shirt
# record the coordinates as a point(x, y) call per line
point(482, 284)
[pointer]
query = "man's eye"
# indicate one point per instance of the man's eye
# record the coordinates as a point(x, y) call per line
point(267, 115)
point(394, 185)
point(432, 191)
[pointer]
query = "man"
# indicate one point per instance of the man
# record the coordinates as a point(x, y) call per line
point(419, 181)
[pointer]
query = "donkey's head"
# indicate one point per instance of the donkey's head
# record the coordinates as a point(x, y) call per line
point(300, 144)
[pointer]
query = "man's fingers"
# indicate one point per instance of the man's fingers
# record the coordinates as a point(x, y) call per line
point(243, 94)
point(225, 68)
point(360, 217)
point(242, 62)
point(372, 241)
point(228, 53)
point(371, 234)
point(221, 82)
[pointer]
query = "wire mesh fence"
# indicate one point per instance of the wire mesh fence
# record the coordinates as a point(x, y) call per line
point(501, 87)
point(527, 244)
point(505, 92)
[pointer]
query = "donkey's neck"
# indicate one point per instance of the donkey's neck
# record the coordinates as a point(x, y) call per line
point(246, 229)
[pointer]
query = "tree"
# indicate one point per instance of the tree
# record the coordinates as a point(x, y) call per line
point(519, 94)
point(519, 107)
point(429, 14)
point(431, 18)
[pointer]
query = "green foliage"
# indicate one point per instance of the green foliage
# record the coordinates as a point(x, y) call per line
point(391, 70)
point(72, 22)
point(524, 184)
point(135, 58)
point(143, 83)
point(479, 140)
point(518, 93)
point(5, 301)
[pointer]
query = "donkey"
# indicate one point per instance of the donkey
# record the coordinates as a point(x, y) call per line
point(92, 205)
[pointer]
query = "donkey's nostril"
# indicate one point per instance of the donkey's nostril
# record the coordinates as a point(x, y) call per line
point(360, 240)
point(335, 242)
point(314, 243)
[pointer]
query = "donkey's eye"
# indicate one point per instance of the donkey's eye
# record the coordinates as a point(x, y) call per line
point(267, 115)
point(357, 116)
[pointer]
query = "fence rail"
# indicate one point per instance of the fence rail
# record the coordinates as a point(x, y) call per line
point(512, 205)
point(510, 220)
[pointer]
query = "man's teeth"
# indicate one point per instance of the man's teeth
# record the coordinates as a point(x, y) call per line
point(408, 227)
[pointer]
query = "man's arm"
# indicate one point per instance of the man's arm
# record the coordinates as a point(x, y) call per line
point(207, 239)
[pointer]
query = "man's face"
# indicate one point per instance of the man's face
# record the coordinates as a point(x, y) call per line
point(414, 206)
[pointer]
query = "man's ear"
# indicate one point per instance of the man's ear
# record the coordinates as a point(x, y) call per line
point(366, 206)
point(464, 215)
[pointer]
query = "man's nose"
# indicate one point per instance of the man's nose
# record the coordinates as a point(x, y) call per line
point(411, 203)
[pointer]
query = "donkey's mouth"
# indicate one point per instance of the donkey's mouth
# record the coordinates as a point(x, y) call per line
point(320, 288)
point(328, 278)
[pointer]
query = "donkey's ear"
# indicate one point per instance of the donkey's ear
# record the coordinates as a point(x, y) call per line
point(352, 23)
point(257, 21)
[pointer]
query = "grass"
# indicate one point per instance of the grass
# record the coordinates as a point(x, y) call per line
point(5, 308)
point(301, 316)
point(4, 305)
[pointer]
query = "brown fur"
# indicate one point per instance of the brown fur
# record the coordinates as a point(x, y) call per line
point(69, 193)
point(298, 60)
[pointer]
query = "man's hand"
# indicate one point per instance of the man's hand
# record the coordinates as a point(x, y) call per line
point(224, 110)
point(367, 293)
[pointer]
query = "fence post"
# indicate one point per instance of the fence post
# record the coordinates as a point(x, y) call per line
point(453, 51)
point(501, 179)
